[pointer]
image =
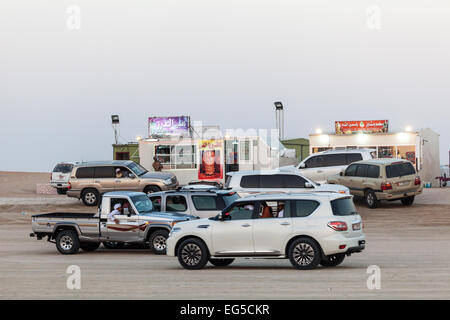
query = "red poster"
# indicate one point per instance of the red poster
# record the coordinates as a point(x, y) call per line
point(365, 126)
point(211, 167)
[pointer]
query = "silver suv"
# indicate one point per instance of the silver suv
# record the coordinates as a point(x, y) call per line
point(91, 179)
point(203, 202)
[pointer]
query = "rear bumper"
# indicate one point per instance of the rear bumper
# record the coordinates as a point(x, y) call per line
point(359, 248)
point(398, 195)
point(59, 184)
point(333, 244)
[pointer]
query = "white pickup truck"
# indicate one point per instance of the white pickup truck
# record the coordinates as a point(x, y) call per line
point(137, 223)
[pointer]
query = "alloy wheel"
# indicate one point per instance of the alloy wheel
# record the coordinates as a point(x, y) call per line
point(159, 243)
point(303, 254)
point(66, 243)
point(90, 197)
point(191, 254)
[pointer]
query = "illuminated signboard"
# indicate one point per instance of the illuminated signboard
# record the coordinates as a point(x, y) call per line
point(211, 166)
point(366, 126)
point(168, 126)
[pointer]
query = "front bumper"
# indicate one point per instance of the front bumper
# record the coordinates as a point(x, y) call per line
point(171, 186)
point(398, 195)
point(73, 194)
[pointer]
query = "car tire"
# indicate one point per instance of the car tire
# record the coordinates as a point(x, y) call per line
point(67, 242)
point(304, 254)
point(112, 244)
point(151, 189)
point(333, 260)
point(90, 197)
point(371, 199)
point(157, 241)
point(61, 190)
point(193, 254)
point(407, 201)
point(89, 246)
point(221, 262)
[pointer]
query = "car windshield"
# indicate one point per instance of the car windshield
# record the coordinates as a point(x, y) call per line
point(63, 168)
point(343, 207)
point(143, 204)
point(229, 198)
point(137, 169)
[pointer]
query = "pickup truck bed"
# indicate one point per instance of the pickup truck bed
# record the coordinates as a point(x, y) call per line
point(68, 215)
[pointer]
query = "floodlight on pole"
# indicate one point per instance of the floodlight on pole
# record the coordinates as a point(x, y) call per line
point(279, 119)
point(115, 124)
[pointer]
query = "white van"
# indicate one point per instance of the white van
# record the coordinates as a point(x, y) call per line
point(322, 165)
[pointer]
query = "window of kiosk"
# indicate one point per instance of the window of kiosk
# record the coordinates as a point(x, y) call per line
point(177, 156)
point(407, 153)
point(386, 152)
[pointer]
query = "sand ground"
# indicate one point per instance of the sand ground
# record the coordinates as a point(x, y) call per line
point(410, 245)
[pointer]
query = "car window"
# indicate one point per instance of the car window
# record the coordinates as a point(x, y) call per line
point(63, 168)
point(241, 211)
point(156, 202)
point(373, 171)
point(275, 209)
point(315, 162)
point(271, 181)
point(251, 181)
point(85, 173)
point(361, 170)
point(332, 160)
point(353, 157)
point(343, 207)
point(303, 208)
point(400, 169)
point(104, 172)
point(351, 170)
point(205, 203)
point(176, 203)
point(293, 181)
point(142, 204)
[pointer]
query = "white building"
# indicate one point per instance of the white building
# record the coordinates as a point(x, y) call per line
point(420, 147)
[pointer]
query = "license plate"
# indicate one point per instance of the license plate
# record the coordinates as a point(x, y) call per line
point(356, 226)
point(402, 183)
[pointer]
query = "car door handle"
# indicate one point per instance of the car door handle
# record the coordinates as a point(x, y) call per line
point(285, 224)
point(246, 225)
point(319, 171)
point(118, 181)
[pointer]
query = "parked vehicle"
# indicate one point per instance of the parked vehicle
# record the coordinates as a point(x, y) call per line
point(138, 223)
point(60, 176)
point(89, 180)
point(381, 179)
point(248, 182)
point(202, 201)
point(307, 228)
point(319, 166)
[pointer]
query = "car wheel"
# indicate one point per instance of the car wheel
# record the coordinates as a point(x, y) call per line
point(90, 197)
point(193, 254)
point(89, 246)
point(333, 260)
point(61, 190)
point(221, 262)
point(151, 189)
point(304, 254)
point(371, 199)
point(67, 242)
point(157, 241)
point(112, 244)
point(407, 201)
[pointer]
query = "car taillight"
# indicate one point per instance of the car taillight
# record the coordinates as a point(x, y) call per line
point(417, 181)
point(386, 186)
point(338, 225)
point(69, 186)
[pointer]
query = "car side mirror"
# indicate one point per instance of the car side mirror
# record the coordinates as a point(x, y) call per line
point(302, 165)
point(341, 173)
point(225, 216)
point(130, 175)
point(309, 185)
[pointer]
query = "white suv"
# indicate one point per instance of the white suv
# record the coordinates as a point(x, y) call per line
point(320, 166)
point(277, 180)
point(307, 228)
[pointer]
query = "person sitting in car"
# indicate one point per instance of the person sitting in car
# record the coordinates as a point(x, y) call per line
point(280, 209)
point(119, 173)
point(116, 212)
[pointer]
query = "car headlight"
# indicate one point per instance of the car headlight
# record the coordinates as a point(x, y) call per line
point(167, 181)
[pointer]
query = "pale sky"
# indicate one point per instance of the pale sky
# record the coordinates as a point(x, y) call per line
point(222, 62)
